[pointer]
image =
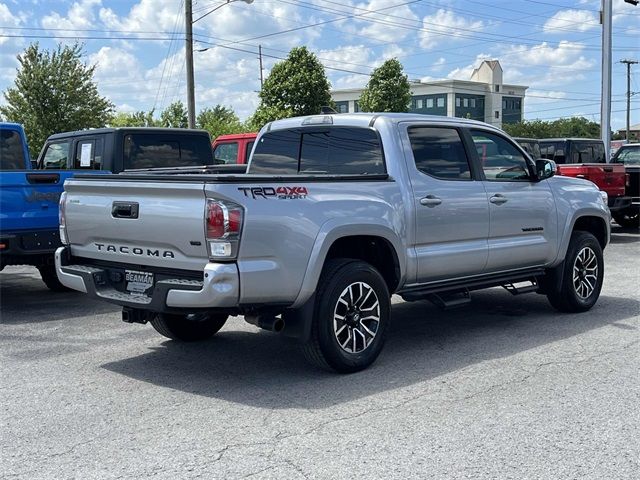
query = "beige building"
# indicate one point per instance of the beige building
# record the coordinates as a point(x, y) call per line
point(483, 97)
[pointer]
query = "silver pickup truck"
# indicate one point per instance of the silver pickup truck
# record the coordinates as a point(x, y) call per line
point(335, 214)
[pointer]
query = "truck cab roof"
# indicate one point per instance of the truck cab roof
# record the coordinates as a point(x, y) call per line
point(124, 130)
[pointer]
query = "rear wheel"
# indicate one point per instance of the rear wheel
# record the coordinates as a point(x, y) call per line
point(351, 317)
point(628, 218)
point(50, 278)
point(582, 277)
point(188, 328)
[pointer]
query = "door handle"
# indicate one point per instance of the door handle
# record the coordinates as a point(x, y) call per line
point(498, 199)
point(430, 201)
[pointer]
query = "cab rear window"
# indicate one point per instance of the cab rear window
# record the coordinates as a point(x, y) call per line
point(318, 151)
point(158, 150)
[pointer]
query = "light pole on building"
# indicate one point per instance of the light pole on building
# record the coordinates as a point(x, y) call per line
point(188, 19)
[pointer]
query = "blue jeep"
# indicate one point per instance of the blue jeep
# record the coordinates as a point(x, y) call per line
point(28, 207)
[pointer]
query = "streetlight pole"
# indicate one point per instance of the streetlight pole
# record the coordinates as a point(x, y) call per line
point(605, 98)
point(188, 19)
point(191, 94)
point(629, 63)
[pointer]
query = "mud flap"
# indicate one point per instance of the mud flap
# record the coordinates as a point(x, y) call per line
point(297, 322)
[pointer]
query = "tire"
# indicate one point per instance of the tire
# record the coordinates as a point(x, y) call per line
point(188, 328)
point(352, 303)
point(582, 276)
point(50, 278)
point(628, 218)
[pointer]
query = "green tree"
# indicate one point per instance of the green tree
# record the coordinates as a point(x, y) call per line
point(388, 89)
point(54, 92)
point(174, 116)
point(295, 86)
point(136, 119)
point(219, 120)
point(565, 127)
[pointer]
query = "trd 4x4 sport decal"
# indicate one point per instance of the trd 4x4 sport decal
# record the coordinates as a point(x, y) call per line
point(283, 193)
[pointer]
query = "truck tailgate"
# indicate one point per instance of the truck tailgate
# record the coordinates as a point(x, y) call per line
point(137, 222)
point(610, 178)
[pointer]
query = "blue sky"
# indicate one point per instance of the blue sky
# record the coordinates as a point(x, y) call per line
point(552, 46)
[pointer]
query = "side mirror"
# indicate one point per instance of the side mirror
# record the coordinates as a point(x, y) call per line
point(545, 168)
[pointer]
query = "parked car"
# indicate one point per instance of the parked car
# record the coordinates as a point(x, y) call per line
point(586, 158)
point(530, 145)
point(335, 214)
point(233, 149)
point(119, 149)
point(629, 156)
point(28, 207)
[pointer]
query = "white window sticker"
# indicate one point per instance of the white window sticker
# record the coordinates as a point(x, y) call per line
point(85, 155)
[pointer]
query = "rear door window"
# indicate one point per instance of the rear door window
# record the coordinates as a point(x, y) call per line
point(144, 150)
point(89, 154)
point(439, 152)
point(11, 151)
point(56, 155)
point(226, 153)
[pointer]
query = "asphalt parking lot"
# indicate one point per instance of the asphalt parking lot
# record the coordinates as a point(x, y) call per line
point(504, 388)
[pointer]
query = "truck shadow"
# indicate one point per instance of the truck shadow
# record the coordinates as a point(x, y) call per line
point(624, 235)
point(264, 370)
point(24, 298)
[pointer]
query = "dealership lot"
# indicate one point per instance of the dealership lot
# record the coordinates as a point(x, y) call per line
point(504, 388)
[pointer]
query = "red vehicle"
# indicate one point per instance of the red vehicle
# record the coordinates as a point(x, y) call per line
point(233, 149)
point(586, 158)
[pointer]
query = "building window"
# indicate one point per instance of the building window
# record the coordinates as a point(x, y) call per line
point(429, 102)
point(356, 107)
point(457, 101)
point(343, 108)
point(419, 103)
point(440, 102)
point(465, 103)
point(473, 103)
point(497, 114)
point(497, 88)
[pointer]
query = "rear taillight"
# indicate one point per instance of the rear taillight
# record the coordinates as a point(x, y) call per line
point(223, 224)
point(62, 219)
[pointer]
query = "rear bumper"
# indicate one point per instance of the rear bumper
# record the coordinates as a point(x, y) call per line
point(33, 247)
point(619, 203)
point(218, 289)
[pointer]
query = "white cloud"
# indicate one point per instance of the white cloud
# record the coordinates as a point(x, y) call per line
point(147, 15)
point(8, 19)
point(81, 15)
point(445, 26)
point(571, 20)
point(464, 73)
point(383, 27)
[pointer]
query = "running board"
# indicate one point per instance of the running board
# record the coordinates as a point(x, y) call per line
point(515, 289)
point(444, 289)
point(450, 300)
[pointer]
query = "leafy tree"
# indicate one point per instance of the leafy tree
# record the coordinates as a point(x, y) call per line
point(219, 120)
point(174, 116)
point(54, 92)
point(388, 89)
point(565, 127)
point(295, 86)
point(136, 119)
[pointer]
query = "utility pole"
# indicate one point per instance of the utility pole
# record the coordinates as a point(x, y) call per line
point(191, 96)
point(629, 63)
point(605, 98)
point(260, 56)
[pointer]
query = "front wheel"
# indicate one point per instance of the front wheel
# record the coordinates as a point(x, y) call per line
point(582, 276)
point(188, 328)
point(351, 317)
